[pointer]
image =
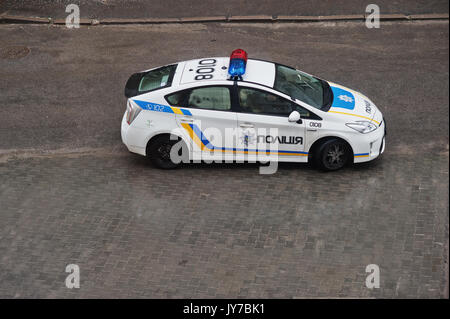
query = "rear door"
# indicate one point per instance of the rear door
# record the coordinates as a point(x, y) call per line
point(263, 126)
point(206, 119)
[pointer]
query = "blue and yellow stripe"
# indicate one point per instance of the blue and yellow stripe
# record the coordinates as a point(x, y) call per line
point(149, 106)
point(204, 144)
point(362, 155)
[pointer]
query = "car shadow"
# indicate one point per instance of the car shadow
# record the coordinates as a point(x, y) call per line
point(144, 162)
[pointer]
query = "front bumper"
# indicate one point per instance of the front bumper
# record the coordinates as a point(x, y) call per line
point(372, 146)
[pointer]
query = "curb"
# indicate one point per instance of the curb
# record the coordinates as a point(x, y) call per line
point(21, 19)
point(351, 17)
point(9, 19)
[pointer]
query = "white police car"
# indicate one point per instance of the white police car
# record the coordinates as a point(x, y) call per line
point(237, 109)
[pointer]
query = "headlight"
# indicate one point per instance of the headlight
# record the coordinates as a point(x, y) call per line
point(132, 111)
point(362, 126)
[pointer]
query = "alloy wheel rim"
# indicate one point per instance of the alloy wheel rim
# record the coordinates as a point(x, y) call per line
point(335, 155)
point(164, 151)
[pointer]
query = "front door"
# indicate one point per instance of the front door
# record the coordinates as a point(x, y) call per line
point(264, 129)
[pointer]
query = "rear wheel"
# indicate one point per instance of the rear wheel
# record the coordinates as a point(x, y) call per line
point(159, 151)
point(332, 155)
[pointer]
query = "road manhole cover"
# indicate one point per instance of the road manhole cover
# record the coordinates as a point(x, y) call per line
point(14, 52)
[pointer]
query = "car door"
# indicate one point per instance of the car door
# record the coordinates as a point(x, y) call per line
point(263, 126)
point(207, 119)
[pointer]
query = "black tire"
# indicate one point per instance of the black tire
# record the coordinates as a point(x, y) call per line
point(159, 150)
point(332, 155)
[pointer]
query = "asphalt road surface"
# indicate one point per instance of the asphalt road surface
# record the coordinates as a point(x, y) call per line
point(72, 194)
point(194, 8)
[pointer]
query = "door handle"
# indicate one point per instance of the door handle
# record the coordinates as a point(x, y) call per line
point(247, 125)
point(186, 120)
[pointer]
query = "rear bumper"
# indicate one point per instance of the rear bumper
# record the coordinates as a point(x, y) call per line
point(128, 134)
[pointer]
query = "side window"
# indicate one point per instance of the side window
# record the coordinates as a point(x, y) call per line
point(260, 102)
point(304, 113)
point(176, 99)
point(210, 98)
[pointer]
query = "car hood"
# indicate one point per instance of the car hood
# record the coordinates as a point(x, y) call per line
point(353, 104)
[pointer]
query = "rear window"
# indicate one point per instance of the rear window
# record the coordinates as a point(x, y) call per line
point(144, 82)
point(158, 78)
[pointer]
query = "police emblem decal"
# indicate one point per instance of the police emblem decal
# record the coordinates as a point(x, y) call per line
point(345, 98)
point(247, 138)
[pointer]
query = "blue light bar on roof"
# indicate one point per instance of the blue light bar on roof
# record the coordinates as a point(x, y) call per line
point(238, 62)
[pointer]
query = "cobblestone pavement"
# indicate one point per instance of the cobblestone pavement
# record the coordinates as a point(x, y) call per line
point(222, 230)
point(218, 230)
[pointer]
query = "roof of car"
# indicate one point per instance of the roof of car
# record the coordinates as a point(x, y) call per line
point(257, 71)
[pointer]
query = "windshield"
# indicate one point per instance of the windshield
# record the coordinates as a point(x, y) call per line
point(303, 87)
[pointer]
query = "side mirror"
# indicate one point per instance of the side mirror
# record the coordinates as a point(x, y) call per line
point(294, 116)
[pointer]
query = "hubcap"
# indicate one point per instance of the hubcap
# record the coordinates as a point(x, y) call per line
point(335, 156)
point(164, 151)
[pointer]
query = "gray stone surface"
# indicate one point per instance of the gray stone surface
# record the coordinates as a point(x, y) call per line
point(218, 230)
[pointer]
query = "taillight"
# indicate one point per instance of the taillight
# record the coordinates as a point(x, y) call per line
point(132, 111)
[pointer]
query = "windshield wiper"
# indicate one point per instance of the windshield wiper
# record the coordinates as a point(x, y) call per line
point(303, 81)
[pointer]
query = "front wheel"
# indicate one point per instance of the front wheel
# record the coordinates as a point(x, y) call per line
point(332, 155)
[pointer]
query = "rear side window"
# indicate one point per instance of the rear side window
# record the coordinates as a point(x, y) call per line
point(158, 78)
point(176, 99)
point(208, 98)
